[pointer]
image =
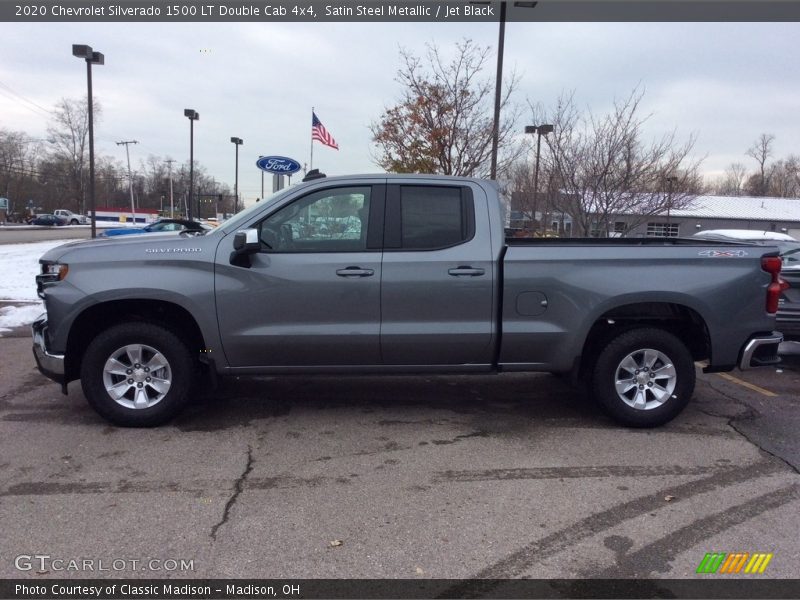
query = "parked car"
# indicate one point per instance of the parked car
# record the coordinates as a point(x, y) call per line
point(161, 226)
point(49, 220)
point(430, 286)
point(788, 321)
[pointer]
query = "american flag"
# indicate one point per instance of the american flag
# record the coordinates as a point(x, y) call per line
point(318, 132)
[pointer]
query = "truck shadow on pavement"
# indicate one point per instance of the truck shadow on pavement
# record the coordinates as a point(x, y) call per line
point(498, 404)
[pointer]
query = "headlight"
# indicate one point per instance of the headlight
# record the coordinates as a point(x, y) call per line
point(55, 271)
point(51, 273)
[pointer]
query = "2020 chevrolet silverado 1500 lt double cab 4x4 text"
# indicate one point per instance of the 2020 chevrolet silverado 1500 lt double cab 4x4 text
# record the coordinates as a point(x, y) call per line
point(398, 274)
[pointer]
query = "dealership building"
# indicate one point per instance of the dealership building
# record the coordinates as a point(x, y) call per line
point(717, 212)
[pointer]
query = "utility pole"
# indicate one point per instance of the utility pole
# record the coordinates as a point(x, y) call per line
point(130, 177)
point(169, 162)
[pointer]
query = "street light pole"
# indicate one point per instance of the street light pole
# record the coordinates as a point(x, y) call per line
point(130, 177)
point(169, 162)
point(498, 90)
point(540, 130)
point(193, 116)
point(670, 182)
point(92, 58)
point(237, 142)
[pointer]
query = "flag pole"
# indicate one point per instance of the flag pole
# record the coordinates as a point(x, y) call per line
point(311, 160)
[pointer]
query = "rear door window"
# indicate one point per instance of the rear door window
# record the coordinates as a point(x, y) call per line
point(422, 217)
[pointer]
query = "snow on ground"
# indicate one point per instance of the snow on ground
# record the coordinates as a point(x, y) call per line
point(17, 316)
point(19, 265)
point(98, 225)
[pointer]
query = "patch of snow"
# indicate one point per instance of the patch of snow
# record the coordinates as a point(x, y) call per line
point(16, 316)
point(19, 265)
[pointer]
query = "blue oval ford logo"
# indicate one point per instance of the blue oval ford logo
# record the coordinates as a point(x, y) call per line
point(278, 164)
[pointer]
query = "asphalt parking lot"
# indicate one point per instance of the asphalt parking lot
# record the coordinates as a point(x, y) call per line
point(433, 477)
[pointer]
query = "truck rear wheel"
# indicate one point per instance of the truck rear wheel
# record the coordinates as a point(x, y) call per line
point(138, 374)
point(644, 377)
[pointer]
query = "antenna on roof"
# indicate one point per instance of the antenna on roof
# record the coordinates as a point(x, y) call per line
point(313, 174)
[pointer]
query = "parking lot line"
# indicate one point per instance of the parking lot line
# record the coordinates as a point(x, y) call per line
point(749, 386)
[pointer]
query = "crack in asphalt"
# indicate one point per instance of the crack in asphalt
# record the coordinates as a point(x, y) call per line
point(237, 489)
point(749, 414)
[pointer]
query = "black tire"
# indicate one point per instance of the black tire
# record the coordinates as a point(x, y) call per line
point(74, 222)
point(160, 398)
point(659, 390)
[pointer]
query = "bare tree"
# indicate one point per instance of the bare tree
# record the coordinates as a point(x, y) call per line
point(18, 155)
point(522, 199)
point(20, 179)
point(68, 135)
point(443, 121)
point(761, 150)
point(111, 177)
point(603, 167)
point(784, 177)
point(732, 181)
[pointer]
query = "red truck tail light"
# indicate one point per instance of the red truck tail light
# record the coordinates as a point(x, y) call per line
point(772, 265)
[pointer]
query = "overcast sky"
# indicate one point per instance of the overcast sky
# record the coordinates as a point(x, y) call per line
point(726, 83)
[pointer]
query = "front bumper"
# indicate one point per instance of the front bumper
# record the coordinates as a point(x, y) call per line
point(761, 351)
point(50, 365)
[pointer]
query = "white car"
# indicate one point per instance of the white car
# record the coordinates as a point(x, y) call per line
point(745, 235)
point(70, 217)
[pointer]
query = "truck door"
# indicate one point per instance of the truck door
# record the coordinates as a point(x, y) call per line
point(311, 296)
point(438, 276)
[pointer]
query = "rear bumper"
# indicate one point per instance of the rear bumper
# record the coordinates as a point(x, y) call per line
point(51, 365)
point(788, 322)
point(761, 351)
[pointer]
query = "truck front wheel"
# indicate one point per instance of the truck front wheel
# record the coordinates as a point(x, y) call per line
point(644, 377)
point(138, 374)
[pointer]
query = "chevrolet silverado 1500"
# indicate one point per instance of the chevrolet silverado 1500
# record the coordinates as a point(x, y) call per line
point(398, 274)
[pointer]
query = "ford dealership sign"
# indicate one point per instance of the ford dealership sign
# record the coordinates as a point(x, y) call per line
point(278, 164)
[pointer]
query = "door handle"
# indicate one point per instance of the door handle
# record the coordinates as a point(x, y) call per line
point(355, 272)
point(465, 271)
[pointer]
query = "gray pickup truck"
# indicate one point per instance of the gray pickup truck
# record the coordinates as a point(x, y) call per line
point(398, 274)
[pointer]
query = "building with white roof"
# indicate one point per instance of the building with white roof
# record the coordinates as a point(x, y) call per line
point(718, 212)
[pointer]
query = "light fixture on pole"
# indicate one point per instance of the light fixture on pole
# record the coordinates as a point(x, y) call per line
point(92, 58)
point(238, 142)
point(540, 130)
point(193, 116)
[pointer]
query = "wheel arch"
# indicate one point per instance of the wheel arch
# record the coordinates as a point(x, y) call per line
point(98, 317)
point(680, 320)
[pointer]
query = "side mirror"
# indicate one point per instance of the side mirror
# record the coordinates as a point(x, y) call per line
point(245, 243)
